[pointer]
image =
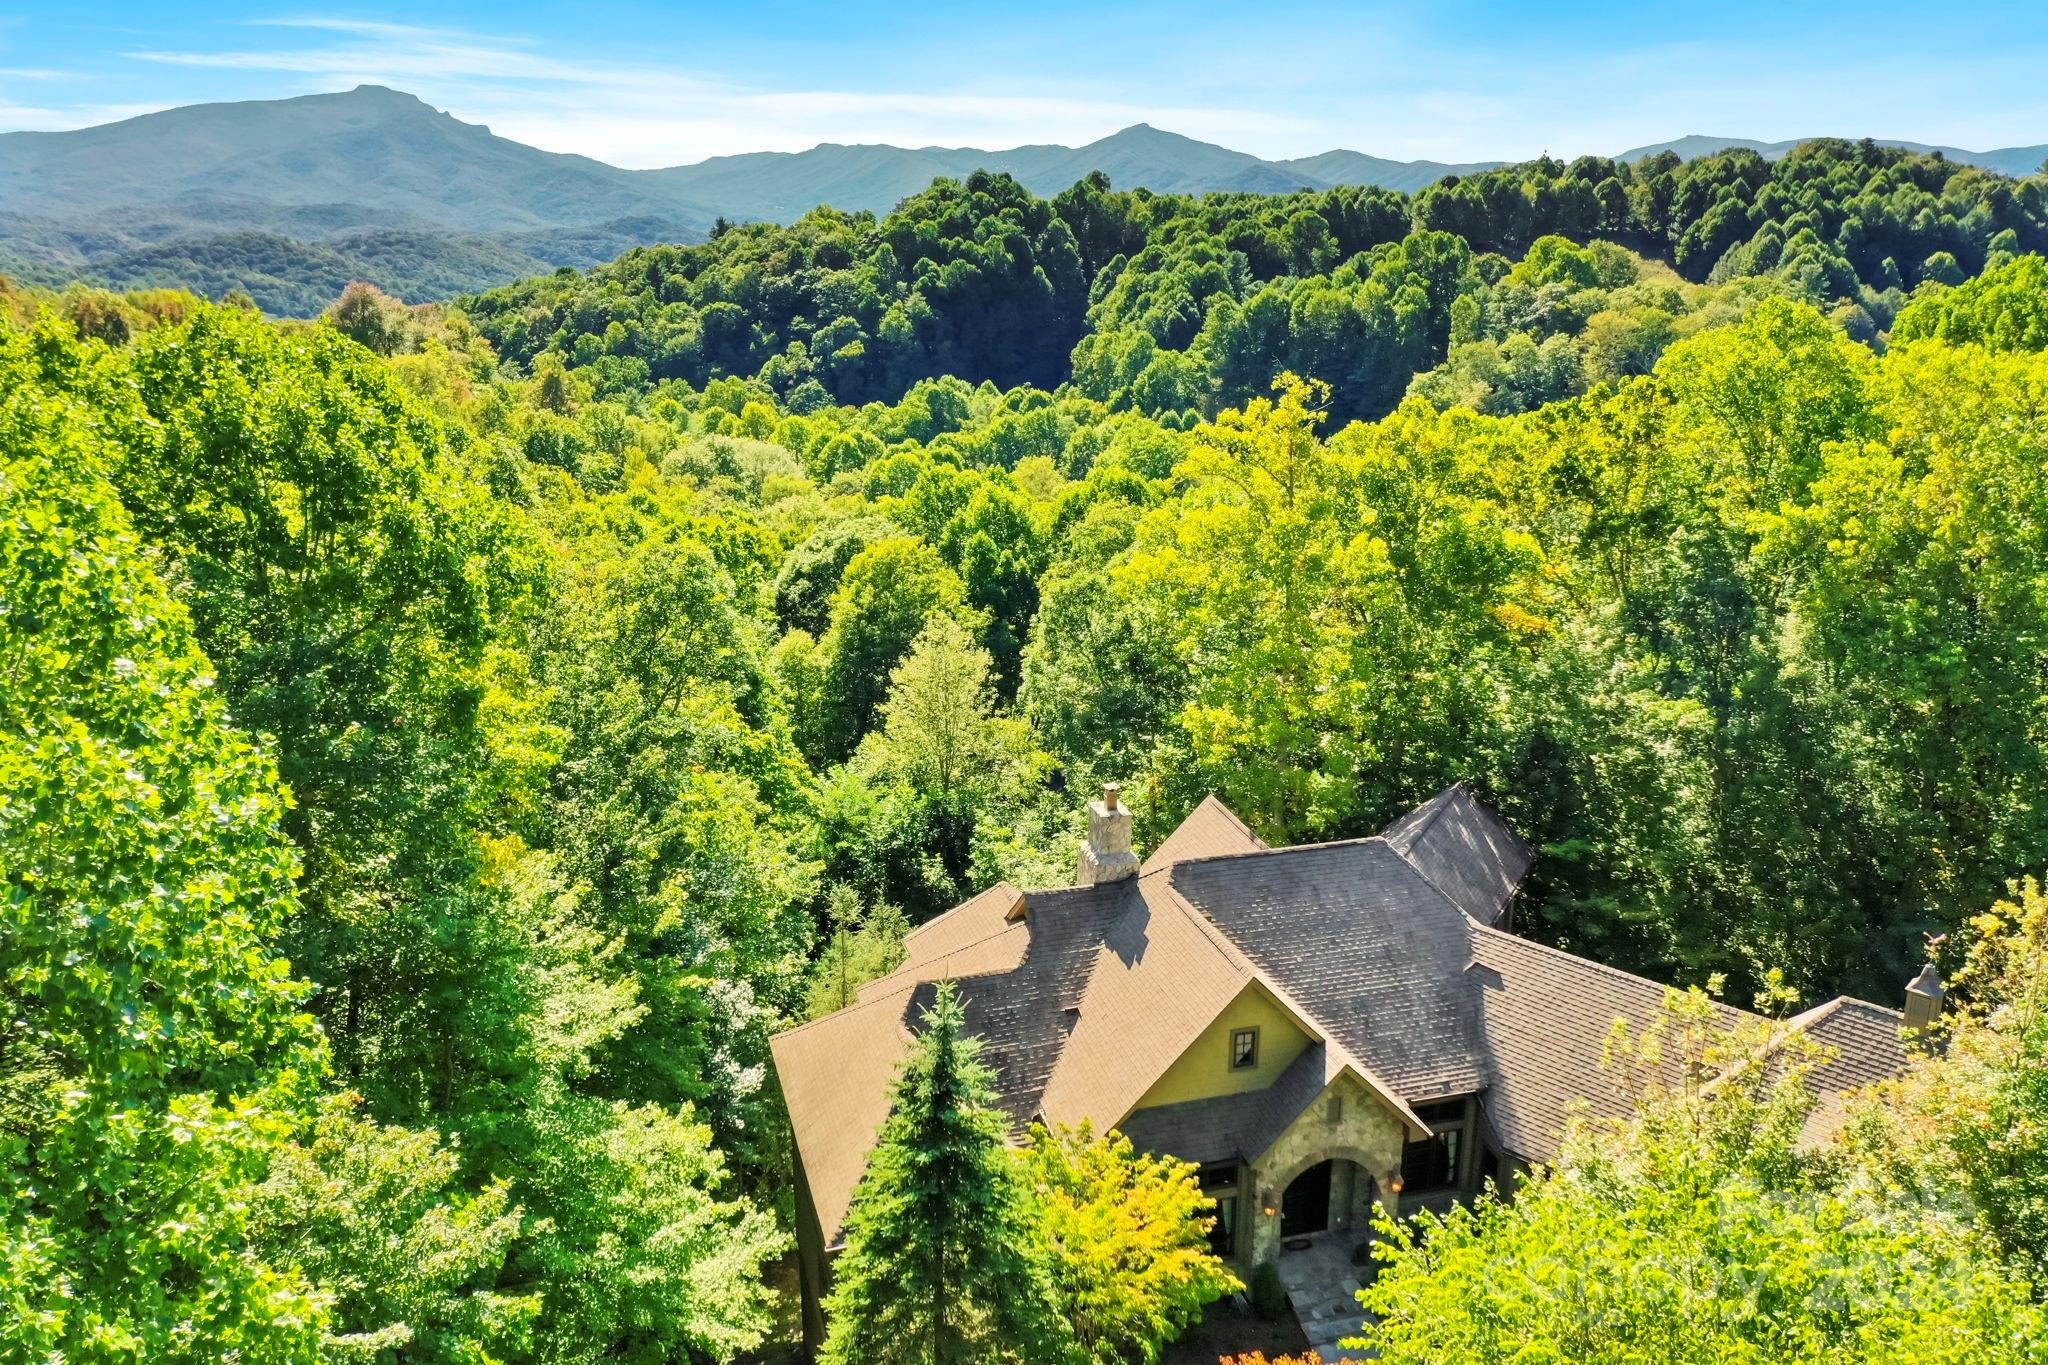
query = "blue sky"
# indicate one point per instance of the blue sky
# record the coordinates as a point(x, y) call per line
point(643, 84)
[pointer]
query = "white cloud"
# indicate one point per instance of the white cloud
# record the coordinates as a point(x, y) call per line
point(1387, 88)
point(635, 115)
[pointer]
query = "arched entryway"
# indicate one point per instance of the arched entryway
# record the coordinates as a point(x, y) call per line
point(1334, 1193)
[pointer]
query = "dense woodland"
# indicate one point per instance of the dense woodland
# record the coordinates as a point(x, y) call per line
point(442, 743)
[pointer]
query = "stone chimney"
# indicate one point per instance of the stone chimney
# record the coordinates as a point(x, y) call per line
point(1107, 856)
point(1923, 1000)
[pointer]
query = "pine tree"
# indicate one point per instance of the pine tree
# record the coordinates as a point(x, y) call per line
point(943, 1263)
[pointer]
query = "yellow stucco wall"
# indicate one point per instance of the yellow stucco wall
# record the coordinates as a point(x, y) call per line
point(1203, 1071)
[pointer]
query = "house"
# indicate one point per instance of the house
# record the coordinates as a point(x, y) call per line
point(1320, 1028)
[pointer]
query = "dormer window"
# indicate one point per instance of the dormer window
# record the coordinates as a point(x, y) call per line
point(1244, 1049)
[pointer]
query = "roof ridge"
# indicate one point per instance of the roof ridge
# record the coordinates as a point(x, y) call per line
point(907, 965)
point(844, 1011)
point(988, 890)
point(1331, 1043)
point(1268, 852)
point(1814, 1014)
point(1235, 818)
point(1409, 863)
point(1436, 800)
point(1600, 967)
point(1360, 841)
point(1841, 1002)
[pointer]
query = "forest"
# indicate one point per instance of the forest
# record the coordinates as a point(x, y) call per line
point(440, 743)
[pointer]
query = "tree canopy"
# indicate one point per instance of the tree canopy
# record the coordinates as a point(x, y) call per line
point(442, 744)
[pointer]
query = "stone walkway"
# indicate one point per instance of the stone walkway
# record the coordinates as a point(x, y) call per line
point(1322, 1287)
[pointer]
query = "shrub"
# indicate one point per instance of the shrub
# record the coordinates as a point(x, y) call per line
point(1269, 1296)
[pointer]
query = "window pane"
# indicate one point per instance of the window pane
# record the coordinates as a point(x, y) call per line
point(1429, 1164)
point(1444, 1111)
point(1223, 1235)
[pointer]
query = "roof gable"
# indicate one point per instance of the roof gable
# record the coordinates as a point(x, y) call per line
point(1365, 948)
point(1204, 1068)
point(836, 1074)
point(1377, 948)
point(1212, 830)
point(1464, 850)
point(1242, 1127)
point(1156, 982)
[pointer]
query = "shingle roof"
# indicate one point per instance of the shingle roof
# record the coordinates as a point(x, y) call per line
point(1370, 951)
point(1464, 850)
point(1233, 1127)
point(836, 1072)
point(835, 1075)
point(1212, 830)
point(1002, 950)
point(971, 921)
point(1864, 1038)
point(1023, 1016)
point(1374, 945)
point(1156, 981)
point(1545, 1016)
point(1864, 1047)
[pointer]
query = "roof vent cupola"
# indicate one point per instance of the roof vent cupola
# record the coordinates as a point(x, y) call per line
point(1107, 855)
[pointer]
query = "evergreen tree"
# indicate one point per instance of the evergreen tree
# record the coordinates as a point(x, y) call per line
point(942, 1261)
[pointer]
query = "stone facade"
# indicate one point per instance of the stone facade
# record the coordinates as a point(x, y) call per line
point(1347, 1124)
point(1106, 855)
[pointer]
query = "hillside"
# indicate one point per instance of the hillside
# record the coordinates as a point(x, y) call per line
point(282, 197)
point(275, 196)
point(1357, 168)
point(368, 149)
point(483, 788)
point(2013, 161)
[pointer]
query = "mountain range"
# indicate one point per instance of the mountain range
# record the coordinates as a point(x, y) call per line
point(2012, 161)
point(290, 199)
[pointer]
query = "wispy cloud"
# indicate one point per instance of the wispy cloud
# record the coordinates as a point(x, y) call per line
point(1283, 79)
point(640, 115)
point(39, 118)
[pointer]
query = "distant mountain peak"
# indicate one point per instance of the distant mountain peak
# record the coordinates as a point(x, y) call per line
point(316, 171)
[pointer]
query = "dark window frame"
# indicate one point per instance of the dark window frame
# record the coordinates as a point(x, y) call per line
point(1219, 1183)
point(1247, 1060)
point(1445, 1152)
point(1223, 1231)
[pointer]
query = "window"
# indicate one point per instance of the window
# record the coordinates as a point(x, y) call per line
point(1223, 1232)
point(1220, 1184)
point(1244, 1049)
point(1431, 1164)
point(1435, 1162)
point(1442, 1112)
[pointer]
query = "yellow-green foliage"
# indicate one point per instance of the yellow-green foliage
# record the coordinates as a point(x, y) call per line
point(1127, 1235)
point(1698, 1231)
